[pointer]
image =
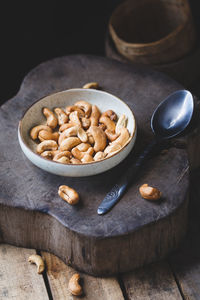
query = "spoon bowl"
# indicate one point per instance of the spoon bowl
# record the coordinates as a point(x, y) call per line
point(173, 115)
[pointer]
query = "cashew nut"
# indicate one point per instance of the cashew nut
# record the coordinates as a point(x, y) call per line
point(77, 153)
point(49, 154)
point(112, 152)
point(87, 107)
point(83, 147)
point(69, 143)
point(90, 138)
point(47, 145)
point(68, 194)
point(85, 123)
point(74, 286)
point(75, 161)
point(62, 116)
point(123, 137)
point(72, 131)
point(80, 154)
point(112, 148)
point(121, 123)
point(90, 151)
point(72, 108)
point(37, 259)
point(99, 138)
point(62, 154)
point(74, 118)
point(120, 142)
point(149, 193)
point(63, 160)
point(102, 126)
point(99, 156)
point(35, 130)
point(66, 126)
point(82, 135)
point(111, 135)
point(91, 85)
point(46, 135)
point(110, 114)
point(95, 115)
point(51, 118)
point(87, 158)
point(110, 125)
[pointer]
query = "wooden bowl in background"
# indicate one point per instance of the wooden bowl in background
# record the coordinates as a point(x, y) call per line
point(153, 31)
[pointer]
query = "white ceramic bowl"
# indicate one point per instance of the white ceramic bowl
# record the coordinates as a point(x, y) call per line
point(34, 116)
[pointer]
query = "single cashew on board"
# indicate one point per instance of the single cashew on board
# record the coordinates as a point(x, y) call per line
point(37, 259)
point(91, 85)
point(74, 286)
point(68, 194)
point(149, 193)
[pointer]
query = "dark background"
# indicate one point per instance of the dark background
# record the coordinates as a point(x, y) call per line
point(33, 32)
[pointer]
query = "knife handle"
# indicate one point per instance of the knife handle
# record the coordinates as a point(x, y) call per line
point(119, 188)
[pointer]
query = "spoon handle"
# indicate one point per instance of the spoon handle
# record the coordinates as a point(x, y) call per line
point(120, 187)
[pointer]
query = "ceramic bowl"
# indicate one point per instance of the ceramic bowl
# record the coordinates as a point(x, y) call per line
point(104, 101)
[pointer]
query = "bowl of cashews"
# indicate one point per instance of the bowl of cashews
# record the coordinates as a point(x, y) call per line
point(77, 132)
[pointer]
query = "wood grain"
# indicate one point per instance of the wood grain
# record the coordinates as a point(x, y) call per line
point(59, 275)
point(33, 215)
point(154, 282)
point(187, 272)
point(185, 263)
point(18, 278)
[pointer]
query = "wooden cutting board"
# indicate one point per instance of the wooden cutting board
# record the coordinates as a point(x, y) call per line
point(136, 231)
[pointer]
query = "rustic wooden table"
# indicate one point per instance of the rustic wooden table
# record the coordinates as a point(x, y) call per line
point(176, 278)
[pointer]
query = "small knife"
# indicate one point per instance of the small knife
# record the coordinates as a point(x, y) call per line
point(120, 187)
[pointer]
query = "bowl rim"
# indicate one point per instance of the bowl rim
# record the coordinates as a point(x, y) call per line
point(81, 164)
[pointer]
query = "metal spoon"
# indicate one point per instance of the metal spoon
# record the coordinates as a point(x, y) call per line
point(169, 119)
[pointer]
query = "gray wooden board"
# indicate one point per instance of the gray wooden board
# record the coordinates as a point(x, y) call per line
point(136, 231)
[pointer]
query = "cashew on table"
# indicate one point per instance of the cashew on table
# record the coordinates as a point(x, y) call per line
point(74, 286)
point(80, 133)
point(37, 259)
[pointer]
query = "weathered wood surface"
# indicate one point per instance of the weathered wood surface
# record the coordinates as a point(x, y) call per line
point(32, 214)
point(19, 279)
point(185, 263)
point(59, 275)
point(154, 282)
point(176, 279)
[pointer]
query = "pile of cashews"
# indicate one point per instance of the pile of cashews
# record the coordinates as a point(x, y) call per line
point(80, 134)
